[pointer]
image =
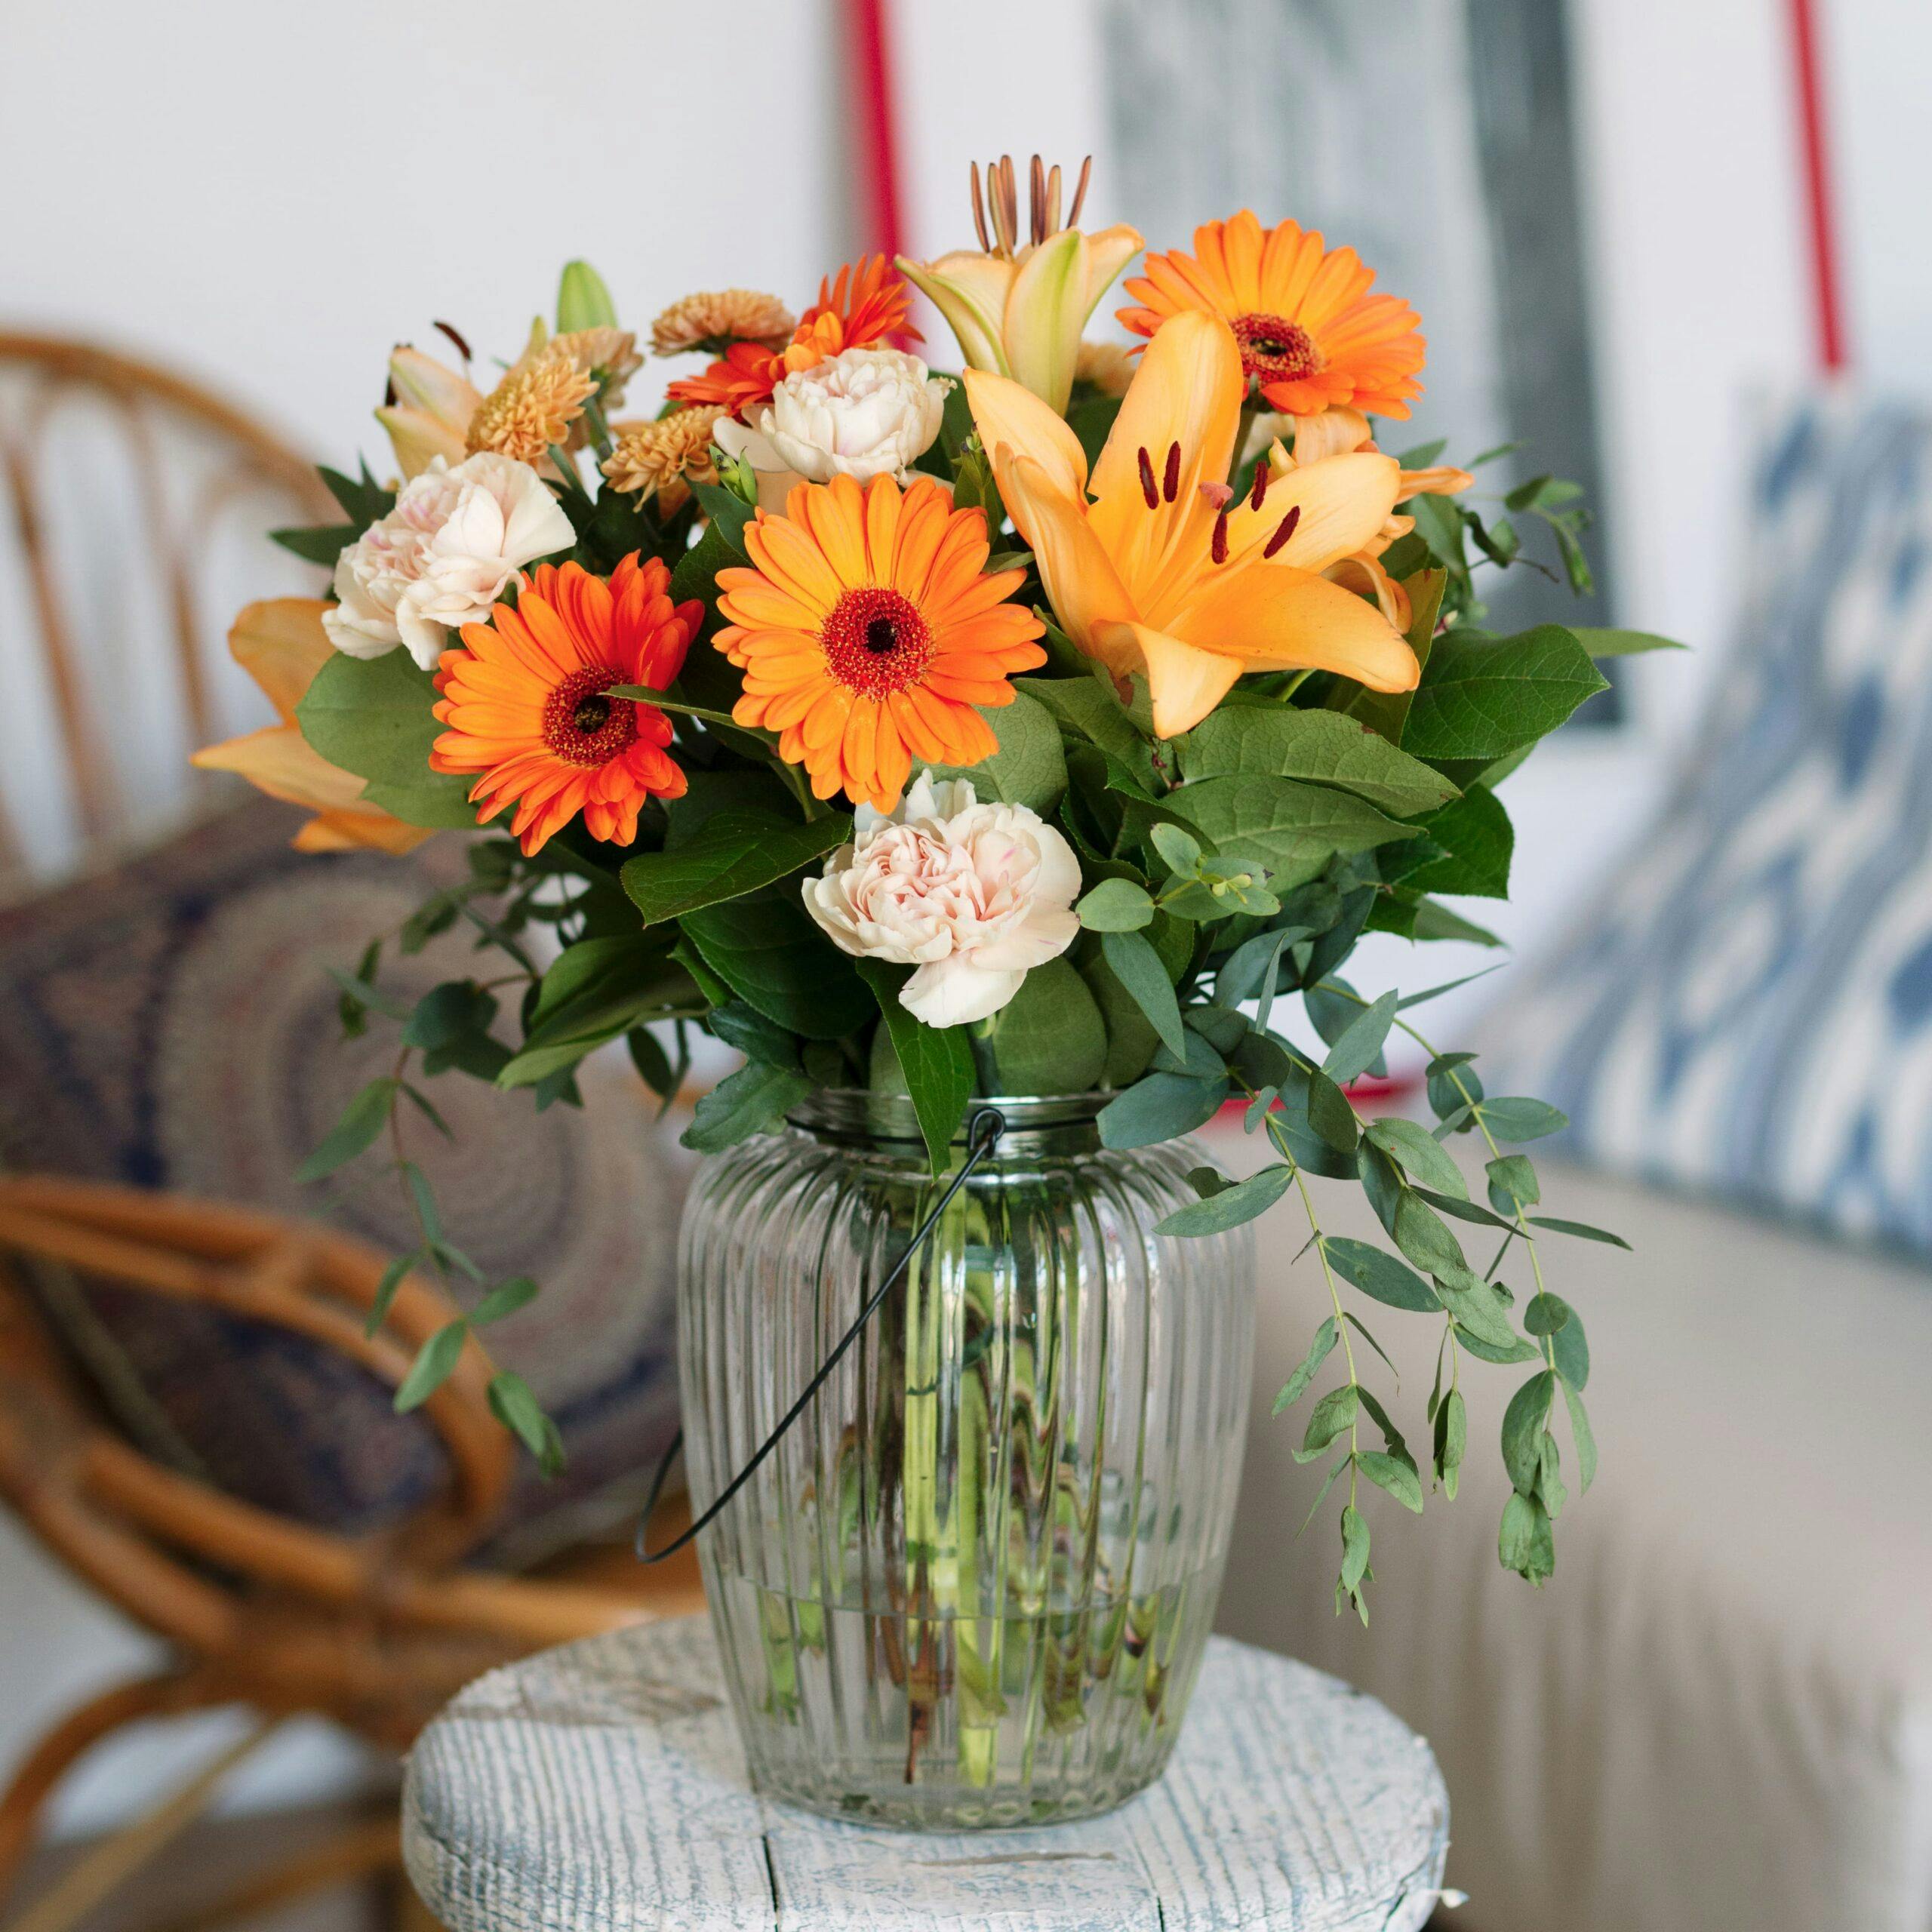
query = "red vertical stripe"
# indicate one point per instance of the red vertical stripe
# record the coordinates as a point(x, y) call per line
point(1828, 305)
point(875, 131)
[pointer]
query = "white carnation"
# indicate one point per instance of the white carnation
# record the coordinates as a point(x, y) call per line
point(974, 896)
point(442, 556)
point(865, 412)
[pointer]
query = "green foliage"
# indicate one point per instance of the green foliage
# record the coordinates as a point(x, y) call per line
point(1320, 747)
point(753, 1100)
point(1028, 769)
point(372, 717)
point(1482, 697)
point(1050, 1038)
point(936, 1062)
point(769, 952)
point(732, 854)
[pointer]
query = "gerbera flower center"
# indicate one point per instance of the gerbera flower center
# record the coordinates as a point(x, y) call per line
point(875, 640)
point(1274, 349)
point(582, 726)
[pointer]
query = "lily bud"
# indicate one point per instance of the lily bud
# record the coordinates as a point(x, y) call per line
point(583, 300)
point(432, 412)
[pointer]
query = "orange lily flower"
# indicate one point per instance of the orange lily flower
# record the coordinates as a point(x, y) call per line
point(281, 644)
point(1163, 573)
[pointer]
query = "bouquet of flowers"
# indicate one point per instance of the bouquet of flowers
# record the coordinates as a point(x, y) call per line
point(1039, 729)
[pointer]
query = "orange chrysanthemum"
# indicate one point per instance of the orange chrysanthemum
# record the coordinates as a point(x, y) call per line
point(867, 303)
point(524, 700)
point(1310, 334)
point(869, 631)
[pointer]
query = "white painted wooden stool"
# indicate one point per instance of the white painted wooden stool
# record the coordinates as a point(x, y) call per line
point(600, 1788)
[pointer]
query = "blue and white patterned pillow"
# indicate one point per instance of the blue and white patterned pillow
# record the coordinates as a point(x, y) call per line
point(1747, 1007)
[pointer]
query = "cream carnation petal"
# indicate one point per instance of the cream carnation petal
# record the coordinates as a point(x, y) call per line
point(955, 993)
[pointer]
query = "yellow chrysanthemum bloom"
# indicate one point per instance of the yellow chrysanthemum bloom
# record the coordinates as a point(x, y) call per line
point(712, 320)
point(533, 406)
point(608, 354)
point(659, 459)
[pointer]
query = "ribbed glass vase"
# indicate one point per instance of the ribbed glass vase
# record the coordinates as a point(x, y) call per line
point(972, 1586)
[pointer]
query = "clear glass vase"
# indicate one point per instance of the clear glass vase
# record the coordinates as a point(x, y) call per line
point(972, 1586)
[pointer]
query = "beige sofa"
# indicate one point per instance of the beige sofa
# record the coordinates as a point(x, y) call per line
point(1717, 1716)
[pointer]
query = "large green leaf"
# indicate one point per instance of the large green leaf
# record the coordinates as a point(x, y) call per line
point(766, 948)
point(936, 1062)
point(1093, 713)
point(733, 852)
point(1478, 842)
point(1049, 1038)
point(1028, 769)
point(1324, 747)
point(1483, 696)
point(372, 716)
point(1290, 829)
point(752, 1100)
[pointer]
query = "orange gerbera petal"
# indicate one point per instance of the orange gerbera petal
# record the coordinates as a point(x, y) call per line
point(866, 304)
point(1312, 337)
point(907, 634)
point(524, 701)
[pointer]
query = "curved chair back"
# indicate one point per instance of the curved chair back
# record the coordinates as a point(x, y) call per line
point(136, 506)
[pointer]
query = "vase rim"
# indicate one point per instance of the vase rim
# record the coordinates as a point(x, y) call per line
point(855, 1114)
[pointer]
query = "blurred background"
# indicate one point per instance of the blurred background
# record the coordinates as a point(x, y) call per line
point(1640, 233)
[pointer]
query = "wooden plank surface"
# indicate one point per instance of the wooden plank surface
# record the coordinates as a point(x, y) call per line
point(600, 1787)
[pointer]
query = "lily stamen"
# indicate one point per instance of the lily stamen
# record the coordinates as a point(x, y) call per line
point(1283, 531)
point(1170, 482)
point(1218, 548)
point(1147, 488)
point(1263, 476)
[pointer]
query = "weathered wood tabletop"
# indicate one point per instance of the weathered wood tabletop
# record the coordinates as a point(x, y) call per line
point(600, 1788)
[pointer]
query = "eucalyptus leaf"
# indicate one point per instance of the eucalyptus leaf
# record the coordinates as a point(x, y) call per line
point(1379, 1275)
point(1397, 1478)
point(1231, 1206)
point(1514, 1117)
point(434, 1362)
point(1418, 1153)
point(1296, 1385)
point(1522, 1430)
point(1138, 967)
point(1360, 1045)
point(1582, 1230)
point(362, 1121)
point(1115, 905)
point(1162, 1107)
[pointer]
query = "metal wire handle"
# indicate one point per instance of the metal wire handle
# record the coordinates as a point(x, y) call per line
point(982, 1137)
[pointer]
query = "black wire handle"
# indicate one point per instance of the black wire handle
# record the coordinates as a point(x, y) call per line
point(982, 1137)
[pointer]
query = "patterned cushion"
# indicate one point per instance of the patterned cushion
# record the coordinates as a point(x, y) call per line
point(1747, 1007)
point(167, 1023)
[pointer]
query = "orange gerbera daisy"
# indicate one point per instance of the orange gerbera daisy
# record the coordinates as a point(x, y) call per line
point(524, 700)
point(1309, 332)
point(866, 303)
point(869, 631)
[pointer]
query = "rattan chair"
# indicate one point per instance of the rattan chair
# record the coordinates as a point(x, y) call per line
point(257, 1611)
